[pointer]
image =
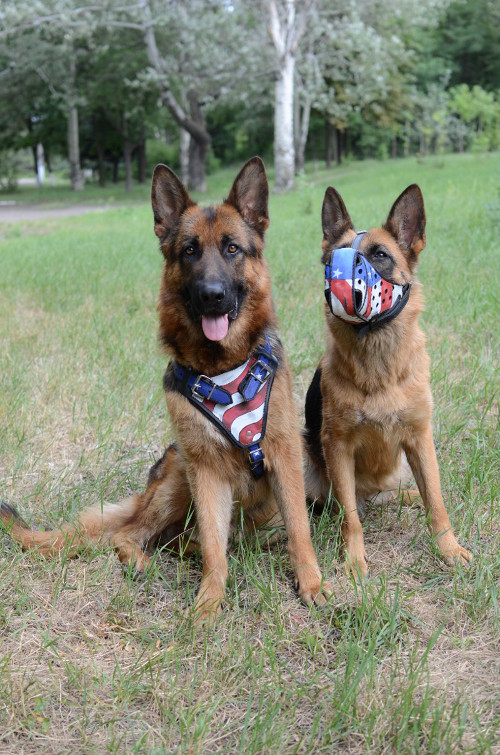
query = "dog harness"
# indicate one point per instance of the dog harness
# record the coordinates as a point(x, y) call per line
point(357, 294)
point(235, 401)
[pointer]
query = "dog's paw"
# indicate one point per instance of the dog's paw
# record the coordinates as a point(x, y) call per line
point(314, 592)
point(457, 556)
point(204, 613)
point(451, 551)
point(355, 563)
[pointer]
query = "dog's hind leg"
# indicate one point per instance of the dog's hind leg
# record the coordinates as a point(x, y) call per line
point(160, 514)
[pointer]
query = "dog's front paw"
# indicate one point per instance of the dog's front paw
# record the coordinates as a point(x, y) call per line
point(452, 552)
point(313, 590)
point(203, 614)
point(457, 555)
point(207, 605)
point(355, 562)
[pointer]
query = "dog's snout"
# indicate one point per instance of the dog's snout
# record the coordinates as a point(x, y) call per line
point(212, 292)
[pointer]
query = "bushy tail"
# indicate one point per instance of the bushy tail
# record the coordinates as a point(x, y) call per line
point(129, 526)
point(96, 524)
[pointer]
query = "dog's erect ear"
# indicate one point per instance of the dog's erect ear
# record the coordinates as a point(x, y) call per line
point(169, 198)
point(334, 217)
point(250, 195)
point(406, 220)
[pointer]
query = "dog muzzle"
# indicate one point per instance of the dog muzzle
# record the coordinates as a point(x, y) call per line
point(357, 294)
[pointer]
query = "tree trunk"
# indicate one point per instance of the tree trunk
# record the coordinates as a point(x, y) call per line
point(40, 164)
point(328, 144)
point(141, 158)
point(302, 129)
point(75, 171)
point(422, 144)
point(49, 167)
point(115, 170)
point(407, 142)
point(184, 144)
point(197, 147)
point(286, 30)
point(197, 162)
point(196, 128)
point(127, 154)
point(98, 124)
point(284, 153)
point(100, 165)
point(394, 147)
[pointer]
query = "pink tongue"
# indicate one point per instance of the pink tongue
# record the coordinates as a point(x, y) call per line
point(215, 328)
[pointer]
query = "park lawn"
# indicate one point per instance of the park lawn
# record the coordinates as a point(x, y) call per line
point(91, 661)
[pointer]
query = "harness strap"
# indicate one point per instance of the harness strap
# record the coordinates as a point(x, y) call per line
point(259, 373)
point(201, 386)
point(256, 459)
point(357, 240)
point(198, 387)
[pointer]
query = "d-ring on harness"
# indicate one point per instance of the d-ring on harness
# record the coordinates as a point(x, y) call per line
point(235, 401)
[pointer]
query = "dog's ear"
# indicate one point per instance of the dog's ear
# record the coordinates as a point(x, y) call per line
point(406, 220)
point(250, 195)
point(169, 198)
point(334, 217)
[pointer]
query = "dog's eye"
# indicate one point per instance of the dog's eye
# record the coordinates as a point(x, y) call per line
point(232, 248)
point(380, 254)
point(189, 249)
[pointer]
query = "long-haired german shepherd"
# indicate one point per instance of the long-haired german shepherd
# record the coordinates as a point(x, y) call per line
point(369, 406)
point(216, 316)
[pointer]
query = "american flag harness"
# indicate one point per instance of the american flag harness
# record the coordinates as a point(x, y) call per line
point(357, 294)
point(235, 401)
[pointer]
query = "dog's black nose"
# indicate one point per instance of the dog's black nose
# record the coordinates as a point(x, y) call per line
point(211, 292)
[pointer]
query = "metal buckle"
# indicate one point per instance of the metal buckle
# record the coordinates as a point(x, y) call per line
point(255, 458)
point(263, 366)
point(198, 384)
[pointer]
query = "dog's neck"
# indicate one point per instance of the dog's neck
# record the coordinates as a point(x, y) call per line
point(212, 357)
point(380, 357)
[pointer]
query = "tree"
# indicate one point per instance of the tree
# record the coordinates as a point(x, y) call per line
point(468, 40)
point(50, 41)
point(286, 28)
point(477, 110)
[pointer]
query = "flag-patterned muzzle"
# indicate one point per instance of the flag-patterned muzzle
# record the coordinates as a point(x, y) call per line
point(357, 294)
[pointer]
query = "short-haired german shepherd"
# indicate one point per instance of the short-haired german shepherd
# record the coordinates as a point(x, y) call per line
point(215, 312)
point(368, 408)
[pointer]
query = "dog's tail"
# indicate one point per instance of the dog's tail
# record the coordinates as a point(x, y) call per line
point(96, 524)
point(128, 526)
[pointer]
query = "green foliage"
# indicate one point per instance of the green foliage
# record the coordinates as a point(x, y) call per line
point(468, 41)
point(159, 152)
point(9, 165)
point(415, 77)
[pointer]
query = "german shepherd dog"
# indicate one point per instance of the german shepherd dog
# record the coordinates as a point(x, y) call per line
point(368, 408)
point(215, 310)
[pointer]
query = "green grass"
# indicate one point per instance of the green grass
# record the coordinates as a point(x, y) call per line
point(91, 661)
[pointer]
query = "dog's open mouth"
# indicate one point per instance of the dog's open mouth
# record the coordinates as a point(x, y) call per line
point(215, 326)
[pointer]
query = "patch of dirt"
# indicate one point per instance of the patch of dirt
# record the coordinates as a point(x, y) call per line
point(19, 213)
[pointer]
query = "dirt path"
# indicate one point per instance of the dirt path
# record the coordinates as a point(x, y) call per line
point(16, 213)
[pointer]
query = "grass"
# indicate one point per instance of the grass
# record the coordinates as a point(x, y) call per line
point(93, 662)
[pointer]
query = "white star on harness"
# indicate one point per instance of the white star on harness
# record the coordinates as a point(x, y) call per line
point(336, 273)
